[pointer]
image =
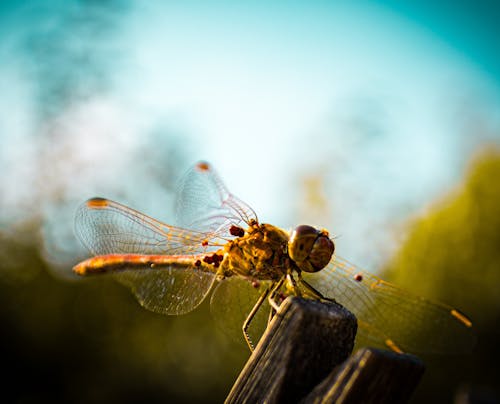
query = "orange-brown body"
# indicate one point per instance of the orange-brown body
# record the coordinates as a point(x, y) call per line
point(261, 253)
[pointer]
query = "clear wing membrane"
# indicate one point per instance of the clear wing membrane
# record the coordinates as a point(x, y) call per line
point(170, 291)
point(107, 227)
point(387, 313)
point(204, 203)
point(231, 303)
point(204, 206)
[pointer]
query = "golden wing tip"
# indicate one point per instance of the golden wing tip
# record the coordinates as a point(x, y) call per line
point(97, 203)
point(392, 345)
point(203, 166)
point(461, 317)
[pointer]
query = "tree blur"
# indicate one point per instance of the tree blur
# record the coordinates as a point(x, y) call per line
point(451, 254)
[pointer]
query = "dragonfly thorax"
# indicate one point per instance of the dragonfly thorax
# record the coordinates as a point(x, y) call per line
point(261, 253)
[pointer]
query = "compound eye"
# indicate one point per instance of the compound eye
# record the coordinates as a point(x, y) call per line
point(301, 242)
point(309, 248)
point(322, 252)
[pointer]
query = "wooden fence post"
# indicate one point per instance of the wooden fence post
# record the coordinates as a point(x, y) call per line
point(370, 376)
point(302, 357)
point(304, 341)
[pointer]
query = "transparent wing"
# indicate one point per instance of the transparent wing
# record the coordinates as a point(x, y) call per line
point(204, 203)
point(388, 314)
point(170, 290)
point(232, 301)
point(107, 227)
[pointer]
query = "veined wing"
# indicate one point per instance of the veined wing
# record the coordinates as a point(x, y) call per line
point(170, 290)
point(232, 300)
point(391, 317)
point(204, 203)
point(108, 227)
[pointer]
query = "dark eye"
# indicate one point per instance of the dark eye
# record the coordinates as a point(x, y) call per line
point(322, 252)
point(301, 242)
point(310, 248)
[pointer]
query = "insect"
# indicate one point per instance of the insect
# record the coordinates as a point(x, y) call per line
point(220, 244)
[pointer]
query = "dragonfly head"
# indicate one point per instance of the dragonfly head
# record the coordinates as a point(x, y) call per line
point(311, 249)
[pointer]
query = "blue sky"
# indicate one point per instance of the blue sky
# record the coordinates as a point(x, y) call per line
point(383, 102)
point(469, 27)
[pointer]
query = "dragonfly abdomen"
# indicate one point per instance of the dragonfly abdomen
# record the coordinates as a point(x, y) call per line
point(120, 262)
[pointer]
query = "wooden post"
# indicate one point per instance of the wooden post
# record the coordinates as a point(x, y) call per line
point(370, 376)
point(304, 341)
point(302, 358)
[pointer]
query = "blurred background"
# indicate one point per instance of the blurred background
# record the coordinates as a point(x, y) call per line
point(377, 120)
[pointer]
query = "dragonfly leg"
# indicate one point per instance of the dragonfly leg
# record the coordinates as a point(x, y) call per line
point(272, 312)
point(315, 293)
point(274, 305)
point(292, 280)
point(250, 317)
point(275, 289)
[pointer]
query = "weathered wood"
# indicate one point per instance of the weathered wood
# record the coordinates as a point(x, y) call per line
point(304, 342)
point(370, 376)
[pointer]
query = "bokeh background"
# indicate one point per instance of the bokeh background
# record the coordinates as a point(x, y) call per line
point(377, 120)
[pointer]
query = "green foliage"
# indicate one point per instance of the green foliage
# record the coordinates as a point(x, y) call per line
point(452, 254)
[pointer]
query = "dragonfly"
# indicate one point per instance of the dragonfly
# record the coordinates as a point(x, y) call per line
point(219, 245)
